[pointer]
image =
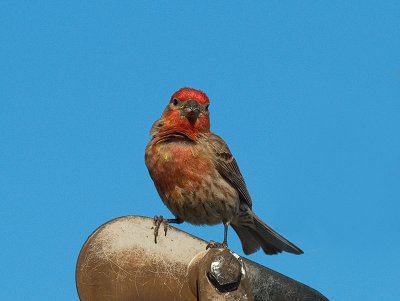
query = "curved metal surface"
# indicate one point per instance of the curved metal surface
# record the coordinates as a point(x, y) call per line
point(120, 261)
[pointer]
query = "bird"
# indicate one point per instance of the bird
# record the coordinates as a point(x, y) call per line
point(199, 180)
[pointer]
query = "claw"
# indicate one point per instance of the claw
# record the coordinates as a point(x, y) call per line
point(217, 245)
point(158, 220)
point(166, 226)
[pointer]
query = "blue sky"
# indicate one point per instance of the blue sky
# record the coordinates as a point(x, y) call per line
point(306, 94)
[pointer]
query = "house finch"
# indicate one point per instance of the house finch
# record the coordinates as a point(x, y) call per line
point(198, 179)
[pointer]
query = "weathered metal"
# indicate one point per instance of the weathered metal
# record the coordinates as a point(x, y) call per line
point(219, 275)
point(120, 261)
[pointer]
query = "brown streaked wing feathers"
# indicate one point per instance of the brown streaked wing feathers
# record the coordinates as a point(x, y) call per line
point(228, 168)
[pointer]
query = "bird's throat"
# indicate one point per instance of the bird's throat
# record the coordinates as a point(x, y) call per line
point(171, 135)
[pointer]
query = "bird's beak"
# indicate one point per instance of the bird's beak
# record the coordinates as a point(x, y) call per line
point(191, 110)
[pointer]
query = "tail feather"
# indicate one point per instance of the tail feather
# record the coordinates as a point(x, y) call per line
point(249, 242)
point(260, 235)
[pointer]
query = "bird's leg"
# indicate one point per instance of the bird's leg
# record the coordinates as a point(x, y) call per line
point(158, 220)
point(224, 244)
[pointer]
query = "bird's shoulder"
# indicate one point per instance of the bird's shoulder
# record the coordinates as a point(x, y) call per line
point(218, 146)
point(157, 125)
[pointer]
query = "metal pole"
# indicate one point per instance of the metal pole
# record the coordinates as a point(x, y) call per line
point(120, 261)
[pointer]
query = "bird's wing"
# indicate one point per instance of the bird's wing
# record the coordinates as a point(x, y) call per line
point(228, 168)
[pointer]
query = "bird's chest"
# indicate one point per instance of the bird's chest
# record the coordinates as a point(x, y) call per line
point(177, 167)
point(189, 184)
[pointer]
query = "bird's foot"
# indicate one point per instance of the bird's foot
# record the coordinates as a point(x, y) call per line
point(158, 220)
point(217, 245)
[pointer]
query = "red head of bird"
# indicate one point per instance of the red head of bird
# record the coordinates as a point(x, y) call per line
point(187, 112)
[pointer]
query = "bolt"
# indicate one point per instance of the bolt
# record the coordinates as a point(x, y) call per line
point(225, 272)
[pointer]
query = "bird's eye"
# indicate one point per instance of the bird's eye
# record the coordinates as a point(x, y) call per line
point(175, 102)
point(206, 107)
